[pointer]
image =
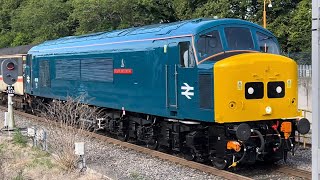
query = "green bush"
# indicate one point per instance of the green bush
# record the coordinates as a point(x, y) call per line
point(19, 139)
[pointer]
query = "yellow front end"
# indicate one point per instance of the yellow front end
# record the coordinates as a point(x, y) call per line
point(231, 76)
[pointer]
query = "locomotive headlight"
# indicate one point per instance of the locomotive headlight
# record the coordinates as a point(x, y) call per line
point(250, 90)
point(268, 110)
point(279, 89)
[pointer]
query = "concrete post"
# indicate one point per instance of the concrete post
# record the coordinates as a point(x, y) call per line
point(11, 124)
point(315, 90)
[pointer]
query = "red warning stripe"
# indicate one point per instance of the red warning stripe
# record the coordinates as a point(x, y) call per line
point(122, 71)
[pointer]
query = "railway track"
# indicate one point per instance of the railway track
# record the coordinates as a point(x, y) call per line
point(294, 172)
point(306, 145)
point(153, 153)
point(174, 159)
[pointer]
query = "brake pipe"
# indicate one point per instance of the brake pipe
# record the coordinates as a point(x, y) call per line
point(234, 164)
point(280, 139)
point(261, 139)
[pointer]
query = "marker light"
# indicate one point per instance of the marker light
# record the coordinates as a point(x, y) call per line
point(250, 90)
point(279, 89)
point(10, 66)
point(268, 110)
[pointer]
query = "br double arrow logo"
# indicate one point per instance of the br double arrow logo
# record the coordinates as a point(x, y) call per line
point(187, 89)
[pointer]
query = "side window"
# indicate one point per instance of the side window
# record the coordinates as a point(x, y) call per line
point(267, 44)
point(186, 55)
point(209, 44)
point(239, 38)
point(44, 73)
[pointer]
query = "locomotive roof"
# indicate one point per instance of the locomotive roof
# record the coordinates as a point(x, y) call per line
point(15, 50)
point(150, 32)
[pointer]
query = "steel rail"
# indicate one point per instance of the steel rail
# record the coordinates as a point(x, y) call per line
point(160, 155)
point(294, 172)
point(177, 160)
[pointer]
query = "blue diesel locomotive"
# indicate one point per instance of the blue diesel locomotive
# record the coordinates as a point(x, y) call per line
point(212, 89)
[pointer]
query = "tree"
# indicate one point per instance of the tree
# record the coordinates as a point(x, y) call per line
point(278, 20)
point(300, 28)
point(104, 15)
point(220, 8)
point(38, 20)
point(34, 21)
point(7, 7)
point(93, 15)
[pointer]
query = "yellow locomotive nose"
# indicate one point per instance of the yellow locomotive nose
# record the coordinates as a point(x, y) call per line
point(255, 86)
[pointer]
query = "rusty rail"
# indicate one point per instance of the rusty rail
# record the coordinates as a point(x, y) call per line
point(294, 172)
point(153, 153)
point(160, 155)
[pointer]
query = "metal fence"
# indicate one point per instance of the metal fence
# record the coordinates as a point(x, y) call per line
point(305, 71)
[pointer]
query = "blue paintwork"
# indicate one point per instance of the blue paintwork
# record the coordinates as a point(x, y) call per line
point(142, 50)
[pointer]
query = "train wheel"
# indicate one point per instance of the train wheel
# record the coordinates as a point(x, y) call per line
point(152, 144)
point(190, 155)
point(219, 163)
point(123, 137)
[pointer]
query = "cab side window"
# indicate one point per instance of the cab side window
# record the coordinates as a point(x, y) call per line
point(186, 55)
point(267, 44)
point(209, 44)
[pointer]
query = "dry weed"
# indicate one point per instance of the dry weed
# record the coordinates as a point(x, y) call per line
point(61, 116)
point(26, 163)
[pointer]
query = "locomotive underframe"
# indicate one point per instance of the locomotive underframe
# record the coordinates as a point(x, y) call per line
point(199, 141)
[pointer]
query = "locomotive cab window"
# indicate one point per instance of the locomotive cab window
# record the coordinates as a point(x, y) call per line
point(209, 44)
point(267, 44)
point(239, 38)
point(186, 55)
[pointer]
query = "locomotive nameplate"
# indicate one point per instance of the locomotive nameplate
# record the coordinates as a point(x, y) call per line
point(122, 71)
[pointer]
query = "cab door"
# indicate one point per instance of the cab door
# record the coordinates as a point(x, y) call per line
point(181, 79)
point(187, 81)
